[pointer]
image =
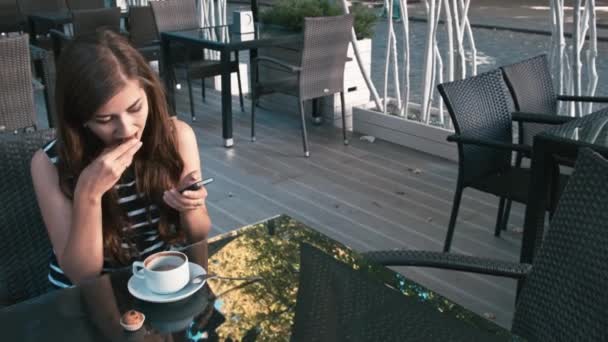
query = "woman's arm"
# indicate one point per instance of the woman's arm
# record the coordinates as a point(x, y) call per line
point(194, 217)
point(75, 227)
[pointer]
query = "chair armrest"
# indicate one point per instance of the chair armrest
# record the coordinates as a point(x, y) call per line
point(550, 119)
point(490, 143)
point(575, 98)
point(450, 261)
point(289, 67)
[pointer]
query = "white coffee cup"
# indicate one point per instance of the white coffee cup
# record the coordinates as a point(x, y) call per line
point(164, 272)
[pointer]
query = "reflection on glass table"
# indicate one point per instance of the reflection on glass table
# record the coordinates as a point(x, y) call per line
point(312, 288)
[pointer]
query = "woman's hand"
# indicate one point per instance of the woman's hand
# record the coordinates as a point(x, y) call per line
point(103, 173)
point(189, 199)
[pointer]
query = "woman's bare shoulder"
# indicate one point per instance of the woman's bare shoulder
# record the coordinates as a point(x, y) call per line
point(184, 132)
point(41, 162)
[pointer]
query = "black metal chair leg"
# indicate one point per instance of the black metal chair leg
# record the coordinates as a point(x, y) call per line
point(203, 90)
point(453, 216)
point(499, 216)
point(304, 135)
point(505, 215)
point(189, 81)
point(343, 118)
point(253, 81)
point(238, 78)
point(505, 220)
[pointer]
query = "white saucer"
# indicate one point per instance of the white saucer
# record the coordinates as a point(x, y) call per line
point(139, 290)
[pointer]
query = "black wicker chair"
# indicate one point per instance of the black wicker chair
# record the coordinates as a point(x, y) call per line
point(531, 86)
point(87, 22)
point(11, 19)
point(44, 64)
point(320, 73)
point(85, 4)
point(25, 249)
point(27, 7)
point(480, 108)
point(563, 295)
point(142, 32)
point(17, 107)
point(174, 15)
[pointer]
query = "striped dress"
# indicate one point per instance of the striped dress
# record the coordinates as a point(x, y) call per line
point(144, 229)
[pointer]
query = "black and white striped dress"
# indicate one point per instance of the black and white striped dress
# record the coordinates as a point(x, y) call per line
point(144, 229)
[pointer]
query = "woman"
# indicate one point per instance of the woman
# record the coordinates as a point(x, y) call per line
point(107, 186)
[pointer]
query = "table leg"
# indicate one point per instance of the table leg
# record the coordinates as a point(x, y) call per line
point(317, 119)
point(226, 99)
point(541, 174)
point(168, 76)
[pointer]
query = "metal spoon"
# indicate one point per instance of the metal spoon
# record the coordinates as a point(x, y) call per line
point(202, 277)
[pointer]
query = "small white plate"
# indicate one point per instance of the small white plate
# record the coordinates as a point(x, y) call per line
point(137, 287)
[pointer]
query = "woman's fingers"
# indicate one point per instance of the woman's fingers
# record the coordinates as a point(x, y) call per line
point(180, 202)
point(126, 157)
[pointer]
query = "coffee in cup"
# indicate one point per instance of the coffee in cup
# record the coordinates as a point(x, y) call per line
point(164, 272)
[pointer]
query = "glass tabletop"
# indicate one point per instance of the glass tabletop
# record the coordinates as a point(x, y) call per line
point(591, 129)
point(228, 37)
point(311, 288)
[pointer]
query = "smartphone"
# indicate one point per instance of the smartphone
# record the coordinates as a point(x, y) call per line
point(196, 185)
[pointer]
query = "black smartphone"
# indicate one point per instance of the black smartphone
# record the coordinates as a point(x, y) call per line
point(196, 185)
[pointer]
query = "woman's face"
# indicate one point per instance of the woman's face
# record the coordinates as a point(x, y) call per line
point(123, 117)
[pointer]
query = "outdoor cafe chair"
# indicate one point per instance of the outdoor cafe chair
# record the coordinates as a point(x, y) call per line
point(85, 4)
point(87, 22)
point(24, 245)
point(142, 32)
point(27, 7)
point(562, 295)
point(17, 106)
point(480, 108)
point(531, 87)
point(320, 72)
point(11, 19)
point(176, 15)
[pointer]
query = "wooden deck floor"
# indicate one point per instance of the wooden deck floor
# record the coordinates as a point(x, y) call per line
point(365, 195)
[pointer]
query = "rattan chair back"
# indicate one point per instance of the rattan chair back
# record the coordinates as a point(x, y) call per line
point(85, 4)
point(11, 19)
point(326, 42)
point(480, 107)
point(25, 249)
point(564, 297)
point(531, 86)
point(88, 21)
point(142, 28)
point(17, 108)
point(174, 15)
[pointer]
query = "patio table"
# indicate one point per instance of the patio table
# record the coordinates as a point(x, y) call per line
point(551, 148)
point(312, 289)
point(225, 40)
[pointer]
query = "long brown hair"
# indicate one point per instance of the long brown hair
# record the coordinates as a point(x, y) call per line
point(91, 70)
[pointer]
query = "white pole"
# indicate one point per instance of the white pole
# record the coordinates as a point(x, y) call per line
point(450, 32)
point(395, 67)
point(406, 58)
point(389, 38)
point(429, 60)
point(592, 54)
point(365, 73)
point(576, 54)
